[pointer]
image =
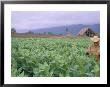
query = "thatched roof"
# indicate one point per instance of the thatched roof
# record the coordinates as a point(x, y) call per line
point(84, 30)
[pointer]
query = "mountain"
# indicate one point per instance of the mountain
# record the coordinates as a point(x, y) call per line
point(74, 29)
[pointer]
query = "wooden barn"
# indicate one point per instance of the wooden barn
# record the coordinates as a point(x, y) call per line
point(86, 32)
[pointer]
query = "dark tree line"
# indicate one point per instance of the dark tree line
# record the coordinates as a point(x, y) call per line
point(13, 30)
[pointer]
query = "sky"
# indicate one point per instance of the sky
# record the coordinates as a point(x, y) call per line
point(44, 19)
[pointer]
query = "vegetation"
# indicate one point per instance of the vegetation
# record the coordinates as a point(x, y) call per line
point(13, 30)
point(30, 32)
point(51, 57)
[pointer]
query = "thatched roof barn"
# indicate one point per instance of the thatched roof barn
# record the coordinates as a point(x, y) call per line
point(86, 32)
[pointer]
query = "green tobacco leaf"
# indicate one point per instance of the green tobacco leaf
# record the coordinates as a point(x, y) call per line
point(22, 74)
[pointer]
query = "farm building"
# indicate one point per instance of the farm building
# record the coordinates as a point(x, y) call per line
point(86, 32)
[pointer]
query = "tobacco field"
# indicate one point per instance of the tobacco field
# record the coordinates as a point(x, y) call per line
point(52, 57)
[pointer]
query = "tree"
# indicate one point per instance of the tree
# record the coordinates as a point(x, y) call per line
point(66, 29)
point(50, 33)
point(13, 30)
point(30, 32)
point(44, 33)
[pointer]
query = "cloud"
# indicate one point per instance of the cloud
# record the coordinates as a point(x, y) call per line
point(44, 19)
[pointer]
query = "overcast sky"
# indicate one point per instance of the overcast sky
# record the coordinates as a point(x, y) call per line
point(44, 19)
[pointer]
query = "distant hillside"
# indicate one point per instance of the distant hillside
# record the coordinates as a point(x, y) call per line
point(74, 29)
